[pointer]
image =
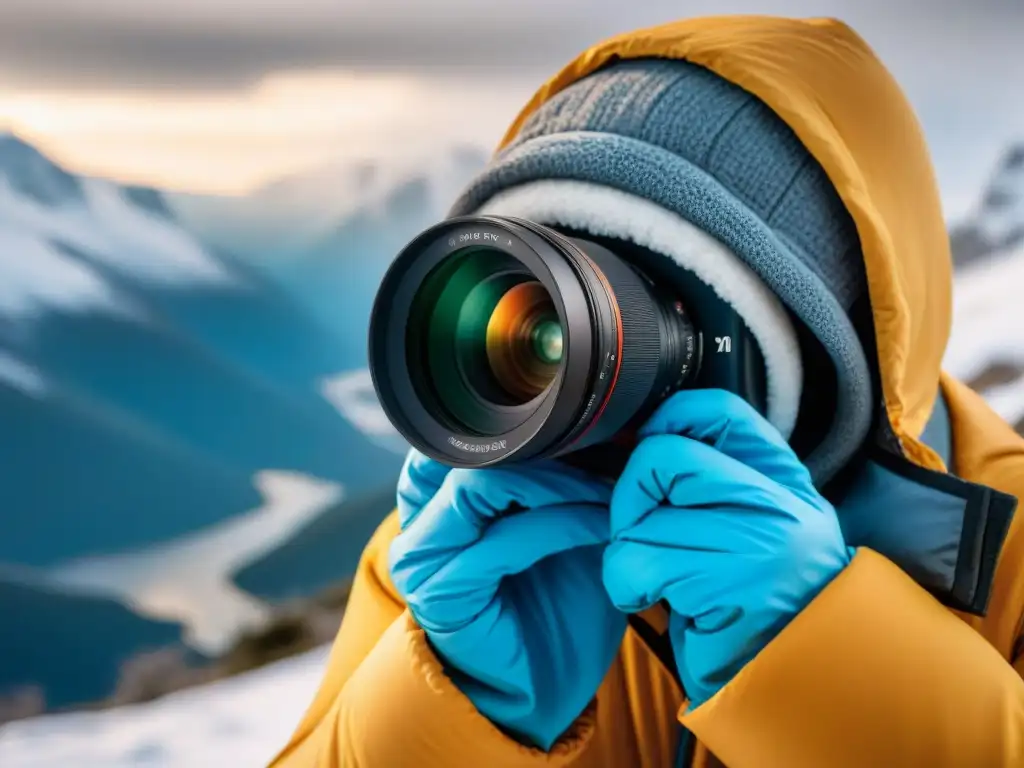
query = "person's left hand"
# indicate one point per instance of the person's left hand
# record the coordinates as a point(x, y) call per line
point(715, 514)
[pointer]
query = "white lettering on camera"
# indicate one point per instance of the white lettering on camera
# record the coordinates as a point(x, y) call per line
point(497, 445)
point(487, 236)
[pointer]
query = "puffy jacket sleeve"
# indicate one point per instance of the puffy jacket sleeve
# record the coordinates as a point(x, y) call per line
point(873, 672)
point(386, 701)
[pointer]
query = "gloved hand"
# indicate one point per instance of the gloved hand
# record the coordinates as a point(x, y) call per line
point(715, 514)
point(502, 569)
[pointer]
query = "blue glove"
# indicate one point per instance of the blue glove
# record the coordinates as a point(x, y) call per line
point(716, 515)
point(502, 569)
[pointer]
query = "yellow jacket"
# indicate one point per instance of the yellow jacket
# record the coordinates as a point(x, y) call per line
point(875, 672)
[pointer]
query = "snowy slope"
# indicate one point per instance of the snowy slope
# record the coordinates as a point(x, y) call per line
point(236, 723)
point(47, 214)
point(997, 223)
point(988, 329)
point(986, 348)
point(352, 393)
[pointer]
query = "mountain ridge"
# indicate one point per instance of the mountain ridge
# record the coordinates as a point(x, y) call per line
point(106, 299)
point(997, 222)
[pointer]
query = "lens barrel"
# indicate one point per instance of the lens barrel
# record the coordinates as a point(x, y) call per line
point(494, 338)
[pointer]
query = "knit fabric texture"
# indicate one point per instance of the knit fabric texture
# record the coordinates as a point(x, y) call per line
point(690, 141)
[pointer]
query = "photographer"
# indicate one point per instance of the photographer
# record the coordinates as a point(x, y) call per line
point(828, 577)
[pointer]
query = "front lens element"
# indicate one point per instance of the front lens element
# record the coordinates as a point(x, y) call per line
point(485, 339)
point(524, 341)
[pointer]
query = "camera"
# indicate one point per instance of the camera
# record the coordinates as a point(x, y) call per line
point(496, 339)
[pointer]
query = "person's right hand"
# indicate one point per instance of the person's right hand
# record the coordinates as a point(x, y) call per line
point(501, 567)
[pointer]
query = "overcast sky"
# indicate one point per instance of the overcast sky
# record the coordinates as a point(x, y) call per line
point(274, 84)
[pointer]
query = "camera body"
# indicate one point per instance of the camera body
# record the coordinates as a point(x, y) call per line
point(495, 339)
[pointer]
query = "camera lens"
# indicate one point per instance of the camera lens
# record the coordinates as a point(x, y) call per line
point(493, 338)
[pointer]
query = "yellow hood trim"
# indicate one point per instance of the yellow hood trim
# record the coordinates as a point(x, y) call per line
point(826, 83)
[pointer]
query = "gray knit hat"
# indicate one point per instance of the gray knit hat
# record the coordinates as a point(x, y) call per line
point(682, 137)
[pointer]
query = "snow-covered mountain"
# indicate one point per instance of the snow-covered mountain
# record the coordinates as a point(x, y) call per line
point(997, 223)
point(185, 404)
point(295, 212)
point(986, 348)
point(135, 358)
point(164, 425)
point(327, 237)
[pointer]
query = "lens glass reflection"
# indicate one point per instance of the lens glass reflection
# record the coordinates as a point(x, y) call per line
point(488, 336)
point(524, 341)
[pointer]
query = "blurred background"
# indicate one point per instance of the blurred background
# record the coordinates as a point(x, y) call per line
point(196, 204)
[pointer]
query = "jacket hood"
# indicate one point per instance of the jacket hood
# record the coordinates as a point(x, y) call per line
point(825, 82)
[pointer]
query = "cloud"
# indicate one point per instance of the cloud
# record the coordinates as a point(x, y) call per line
point(214, 44)
point(232, 142)
point(198, 94)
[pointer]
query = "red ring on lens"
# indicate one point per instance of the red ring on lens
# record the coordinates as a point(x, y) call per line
point(618, 347)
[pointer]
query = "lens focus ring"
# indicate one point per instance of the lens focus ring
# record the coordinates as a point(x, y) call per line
point(656, 334)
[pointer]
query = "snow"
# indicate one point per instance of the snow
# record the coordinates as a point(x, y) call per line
point(352, 394)
point(39, 272)
point(241, 722)
point(189, 579)
point(37, 277)
point(988, 319)
point(143, 244)
point(21, 376)
point(999, 221)
point(988, 326)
